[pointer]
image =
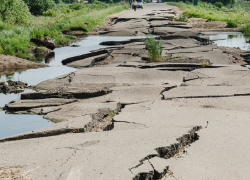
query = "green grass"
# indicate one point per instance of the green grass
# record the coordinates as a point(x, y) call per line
point(154, 49)
point(235, 17)
point(244, 4)
point(15, 39)
point(182, 18)
point(246, 29)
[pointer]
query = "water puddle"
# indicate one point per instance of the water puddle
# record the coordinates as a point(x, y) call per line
point(35, 76)
point(228, 39)
point(12, 124)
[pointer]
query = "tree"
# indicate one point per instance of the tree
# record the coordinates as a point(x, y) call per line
point(14, 11)
point(57, 1)
point(37, 7)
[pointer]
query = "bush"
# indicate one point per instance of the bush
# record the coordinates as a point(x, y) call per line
point(14, 11)
point(154, 49)
point(50, 12)
point(57, 1)
point(231, 23)
point(218, 4)
point(246, 29)
point(182, 18)
point(37, 7)
point(77, 6)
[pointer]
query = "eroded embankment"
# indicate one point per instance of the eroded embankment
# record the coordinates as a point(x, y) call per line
point(166, 153)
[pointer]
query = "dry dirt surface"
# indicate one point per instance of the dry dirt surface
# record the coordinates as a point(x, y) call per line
point(203, 25)
point(14, 173)
point(11, 64)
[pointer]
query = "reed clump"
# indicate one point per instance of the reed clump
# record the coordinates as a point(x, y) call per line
point(154, 48)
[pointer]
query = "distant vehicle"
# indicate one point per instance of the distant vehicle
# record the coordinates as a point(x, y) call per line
point(140, 4)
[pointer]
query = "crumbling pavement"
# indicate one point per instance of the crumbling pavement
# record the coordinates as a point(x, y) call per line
point(146, 109)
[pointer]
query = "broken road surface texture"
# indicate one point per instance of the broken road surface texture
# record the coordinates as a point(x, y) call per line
point(121, 117)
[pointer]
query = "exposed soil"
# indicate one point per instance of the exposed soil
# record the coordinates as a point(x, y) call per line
point(11, 64)
point(14, 173)
point(203, 25)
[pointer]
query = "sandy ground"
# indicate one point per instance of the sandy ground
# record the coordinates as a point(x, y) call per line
point(121, 117)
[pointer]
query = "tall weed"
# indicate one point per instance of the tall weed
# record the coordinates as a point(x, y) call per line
point(154, 49)
point(246, 29)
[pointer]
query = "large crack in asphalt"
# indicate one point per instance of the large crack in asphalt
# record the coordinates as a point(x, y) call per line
point(101, 121)
point(167, 152)
point(207, 96)
point(166, 89)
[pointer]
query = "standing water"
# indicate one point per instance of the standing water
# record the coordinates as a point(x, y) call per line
point(228, 39)
point(12, 124)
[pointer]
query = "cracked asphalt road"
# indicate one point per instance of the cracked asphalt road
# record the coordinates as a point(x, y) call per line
point(145, 121)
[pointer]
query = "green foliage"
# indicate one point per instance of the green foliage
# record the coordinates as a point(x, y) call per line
point(15, 39)
point(37, 7)
point(234, 17)
point(77, 6)
point(231, 23)
point(50, 12)
point(70, 1)
point(182, 18)
point(14, 11)
point(58, 1)
point(225, 2)
point(154, 49)
point(246, 29)
point(218, 4)
point(1, 50)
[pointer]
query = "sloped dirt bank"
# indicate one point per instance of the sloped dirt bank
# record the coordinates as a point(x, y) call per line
point(11, 64)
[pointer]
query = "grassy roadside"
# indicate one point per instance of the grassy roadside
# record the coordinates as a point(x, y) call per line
point(235, 17)
point(15, 39)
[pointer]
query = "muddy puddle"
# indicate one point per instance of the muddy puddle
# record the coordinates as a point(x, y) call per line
point(229, 39)
point(12, 124)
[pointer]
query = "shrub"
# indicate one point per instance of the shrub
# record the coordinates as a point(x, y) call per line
point(246, 29)
point(154, 49)
point(1, 50)
point(77, 6)
point(50, 12)
point(37, 7)
point(218, 4)
point(182, 18)
point(14, 11)
point(57, 1)
point(231, 23)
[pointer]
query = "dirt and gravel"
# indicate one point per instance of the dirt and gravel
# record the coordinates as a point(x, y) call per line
point(122, 117)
